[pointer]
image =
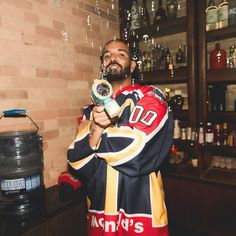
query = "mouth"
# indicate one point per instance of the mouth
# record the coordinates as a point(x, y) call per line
point(114, 65)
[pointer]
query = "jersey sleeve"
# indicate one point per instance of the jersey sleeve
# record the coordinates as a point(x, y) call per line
point(79, 155)
point(139, 147)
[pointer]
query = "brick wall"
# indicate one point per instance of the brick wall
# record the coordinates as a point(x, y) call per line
point(48, 59)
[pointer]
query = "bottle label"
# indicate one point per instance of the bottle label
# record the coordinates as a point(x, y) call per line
point(212, 16)
point(223, 13)
point(209, 137)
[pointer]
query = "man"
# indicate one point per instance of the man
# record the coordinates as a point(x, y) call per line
point(120, 158)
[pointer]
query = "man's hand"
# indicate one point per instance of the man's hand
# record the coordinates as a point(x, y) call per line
point(100, 121)
point(100, 117)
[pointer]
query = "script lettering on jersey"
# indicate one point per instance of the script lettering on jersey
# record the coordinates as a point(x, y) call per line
point(113, 226)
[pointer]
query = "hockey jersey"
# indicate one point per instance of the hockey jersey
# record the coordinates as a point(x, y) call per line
point(124, 186)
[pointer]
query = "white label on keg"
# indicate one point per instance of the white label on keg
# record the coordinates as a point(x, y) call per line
point(32, 183)
point(12, 184)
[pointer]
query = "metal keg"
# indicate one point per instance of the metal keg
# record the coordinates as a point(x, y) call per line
point(21, 168)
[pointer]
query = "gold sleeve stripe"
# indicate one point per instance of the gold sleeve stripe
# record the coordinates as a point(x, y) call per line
point(79, 164)
point(82, 133)
point(117, 158)
point(128, 102)
point(111, 190)
point(159, 212)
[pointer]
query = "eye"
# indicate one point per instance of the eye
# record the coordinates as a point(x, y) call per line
point(106, 55)
point(122, 54)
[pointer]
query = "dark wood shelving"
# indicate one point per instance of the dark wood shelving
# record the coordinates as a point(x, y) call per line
point(182, 170)
point(163, 77)
point(222, 116)
point(165, 28)
point(221, 75)
point(226, 150)
point(220, 175)
point(221, 34)
point(181, 115)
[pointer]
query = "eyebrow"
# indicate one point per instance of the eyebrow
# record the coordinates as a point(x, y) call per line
point(120, 50)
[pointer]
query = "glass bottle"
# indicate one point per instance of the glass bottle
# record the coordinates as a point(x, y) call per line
point(180, 57)
point(177, 101)
point(217, 135)
point(145, 19)
point(209, 135)
point(225, 133)
point(218, 58)
point(211, 16)
point(232, 12)
point(134, 17)
point(223, 14)
point(160, 14)
point(176, 131)
point(157, 57)
point(171, 67)
point(172, 8)
point(201, 134)
point(167, 58)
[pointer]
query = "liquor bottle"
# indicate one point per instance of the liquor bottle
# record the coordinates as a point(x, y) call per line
point(218, 58)
point(232, 12)
point(209, 135)
point(223, 14)
point(176, 131)
point(231, 57)
point(160, 14)
point(158, 55)
point(217, 135)
point(167, 57)
point(225, 133)
point(211, 16)
point(172, 8)
point(149, 61)
point(145, 19)
point(167, 94)
point(180, 57)
point(177, 101)
point(134, 17)
point(201, 134)
point(171, 67)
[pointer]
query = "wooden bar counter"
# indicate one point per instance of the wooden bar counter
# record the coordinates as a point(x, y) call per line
point(59, 216)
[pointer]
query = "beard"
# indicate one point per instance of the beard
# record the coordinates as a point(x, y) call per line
point(116, 73)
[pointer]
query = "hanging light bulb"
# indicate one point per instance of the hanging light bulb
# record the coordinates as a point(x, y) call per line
point(112, 5)
point(97, 8)
point(89, 21)
point(108, 23)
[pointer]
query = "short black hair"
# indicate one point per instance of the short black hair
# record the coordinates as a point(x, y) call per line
point(116, 40)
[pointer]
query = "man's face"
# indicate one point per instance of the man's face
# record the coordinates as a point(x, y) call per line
point(116, 61)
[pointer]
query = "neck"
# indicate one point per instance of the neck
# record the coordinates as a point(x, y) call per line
point(118, 85)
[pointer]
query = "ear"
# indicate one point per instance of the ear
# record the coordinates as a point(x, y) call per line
point(132, 66)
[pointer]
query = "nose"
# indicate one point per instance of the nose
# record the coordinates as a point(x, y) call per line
point(113, 57)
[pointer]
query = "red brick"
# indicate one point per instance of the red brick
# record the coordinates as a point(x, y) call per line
point(44, 114)
point(58, 25)
point(47, 32)
point(42, 1)
point(51, 134)
point(83, 67)
point(13, 94)
point(68, 112)
point(41, 72)
point(31, 17)
point(68, 75)
point(78, 12)
point(24, 4)
point(10, 70)
point(55, 74)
